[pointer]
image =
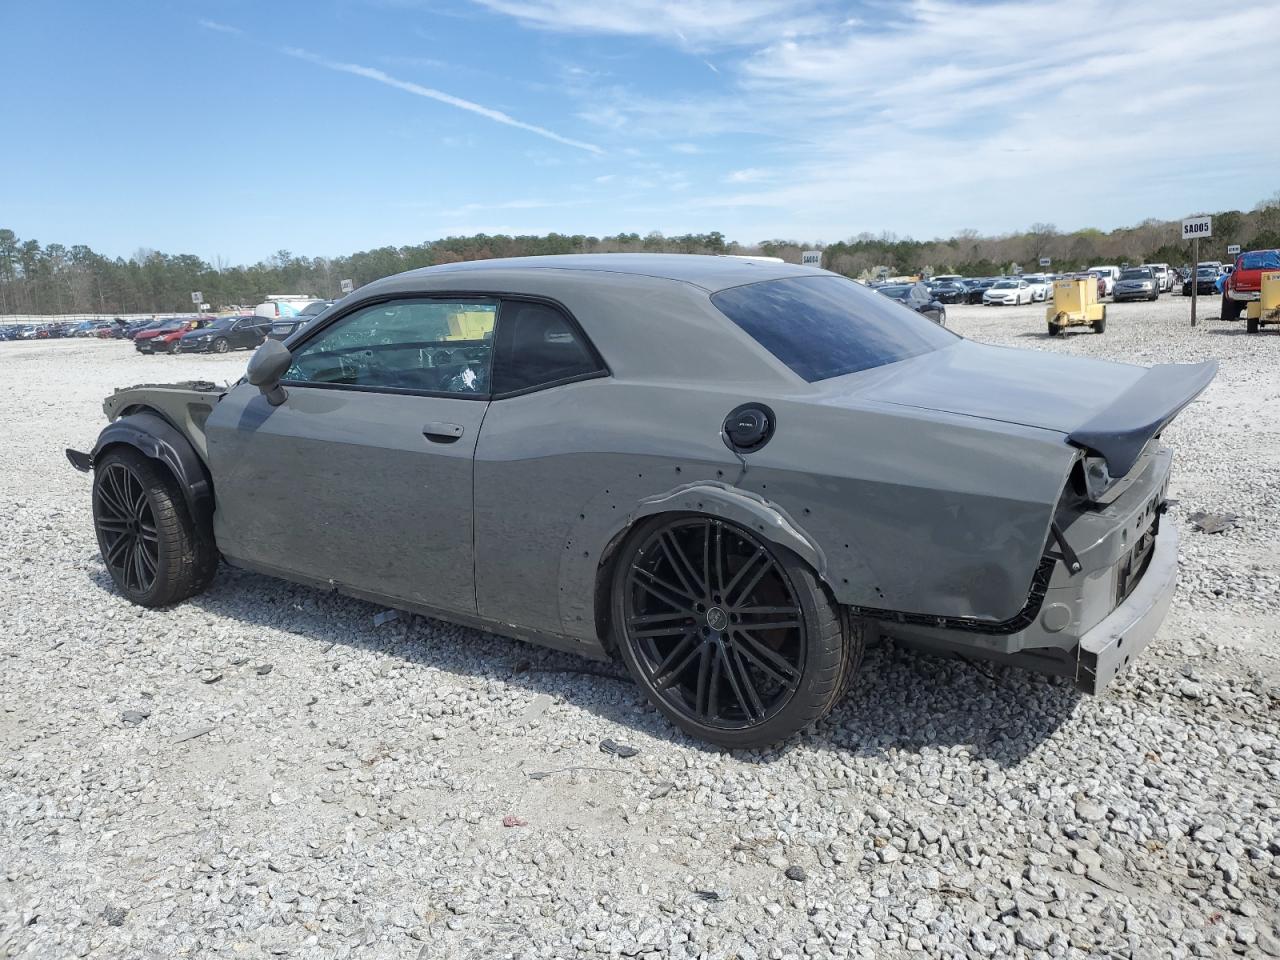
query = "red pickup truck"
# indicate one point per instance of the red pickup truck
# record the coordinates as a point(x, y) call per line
point(1245, 282)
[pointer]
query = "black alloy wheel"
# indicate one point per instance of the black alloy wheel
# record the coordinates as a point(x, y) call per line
point(221, 345)
point(156, 552)
point(732, 638)
point(126, 525)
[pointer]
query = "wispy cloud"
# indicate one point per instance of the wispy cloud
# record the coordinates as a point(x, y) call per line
point(379, 76)
point(696, 24)
point(522, 204)
point(927, 115)
point(219, 27)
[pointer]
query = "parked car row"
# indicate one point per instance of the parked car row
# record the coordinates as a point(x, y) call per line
point(274, 319)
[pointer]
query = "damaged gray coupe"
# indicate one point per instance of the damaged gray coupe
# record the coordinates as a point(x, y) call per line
point(730, 473)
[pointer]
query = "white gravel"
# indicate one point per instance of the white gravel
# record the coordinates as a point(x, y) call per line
point(263, 772)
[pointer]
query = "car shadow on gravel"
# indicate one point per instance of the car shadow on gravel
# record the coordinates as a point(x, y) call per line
point(901, 701)
point(905, 700)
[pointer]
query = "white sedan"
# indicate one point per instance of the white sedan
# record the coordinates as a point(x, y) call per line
point(1011, 291)
point(1041, 286)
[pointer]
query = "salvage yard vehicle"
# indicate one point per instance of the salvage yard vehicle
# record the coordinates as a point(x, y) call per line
point(1109, 275)
point(1137, 283)
point(1245, 283)
point(165, 337)
point(1206, 278)
point(1011, 291)
point(224, 334)
point(1041, 286)
point(728, 473)
point(918, 297)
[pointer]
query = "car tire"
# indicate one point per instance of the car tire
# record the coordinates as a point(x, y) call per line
point(679, 624)
point(173, 347)
point(942, 318)
point(1100, 325)
point(156, 553)
point(1251, 324)
point(1054, 329)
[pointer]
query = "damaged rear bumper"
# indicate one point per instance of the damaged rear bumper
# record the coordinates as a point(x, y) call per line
point(1107, 648)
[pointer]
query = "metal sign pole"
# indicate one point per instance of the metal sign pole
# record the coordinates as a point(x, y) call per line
point(1195, 276)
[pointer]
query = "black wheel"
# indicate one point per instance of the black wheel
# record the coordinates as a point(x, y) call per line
point(1251, 324)
point(732, 638)
point(173, 346)
point(154, 550)
point(1100, 325)
point(1231, 308)
point(1054, 329)
point(942, 318)
point(221, 345)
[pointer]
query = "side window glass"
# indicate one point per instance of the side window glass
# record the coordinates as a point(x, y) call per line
point(537, 345)
point(429, 345)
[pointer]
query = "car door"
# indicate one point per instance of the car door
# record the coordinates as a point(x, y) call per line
point(534, 462)
point(362, 477)
point(241, 335)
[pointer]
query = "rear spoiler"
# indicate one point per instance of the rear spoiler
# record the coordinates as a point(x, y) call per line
point(1120, 431)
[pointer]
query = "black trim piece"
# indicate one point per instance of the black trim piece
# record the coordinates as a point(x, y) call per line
point(394, 391)
point(155, 437)
point(81, 461)
point(1068, 555)
point(1019, 621)
point(538, 388)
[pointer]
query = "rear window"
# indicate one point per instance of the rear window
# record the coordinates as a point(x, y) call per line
point(825, 327)
point(1261, 260)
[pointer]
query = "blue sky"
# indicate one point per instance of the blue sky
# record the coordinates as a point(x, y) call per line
point(232, 129)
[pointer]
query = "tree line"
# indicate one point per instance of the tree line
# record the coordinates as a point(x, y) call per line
point(54, 279)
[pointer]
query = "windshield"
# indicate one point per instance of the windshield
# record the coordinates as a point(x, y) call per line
point(313, 308)
point(1206, 272)
point(1261, 260)
point(824, 327)
point(897, 293)
point(1136, 275)
point(1005, 285)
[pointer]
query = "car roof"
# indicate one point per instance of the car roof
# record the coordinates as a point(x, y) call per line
point(711, 273)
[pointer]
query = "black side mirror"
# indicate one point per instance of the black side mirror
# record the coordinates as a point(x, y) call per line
point(268, 364)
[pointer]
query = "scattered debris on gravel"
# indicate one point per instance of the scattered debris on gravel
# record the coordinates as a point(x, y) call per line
point(355, 798)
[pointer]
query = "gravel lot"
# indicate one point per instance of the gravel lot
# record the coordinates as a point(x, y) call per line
point(264, 772)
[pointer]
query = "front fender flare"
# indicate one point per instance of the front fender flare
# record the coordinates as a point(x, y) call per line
point(156, 438)
point(602, 526)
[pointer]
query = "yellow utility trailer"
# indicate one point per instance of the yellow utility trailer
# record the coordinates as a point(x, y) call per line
point(1075, 304)
point(1266, 309)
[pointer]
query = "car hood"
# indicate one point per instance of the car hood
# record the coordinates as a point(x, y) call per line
point(1110, 408)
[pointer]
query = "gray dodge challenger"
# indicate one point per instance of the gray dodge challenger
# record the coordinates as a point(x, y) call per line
point(731, 473)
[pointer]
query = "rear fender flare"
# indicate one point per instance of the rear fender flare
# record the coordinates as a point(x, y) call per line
point(591, 545)
point(156, 438)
